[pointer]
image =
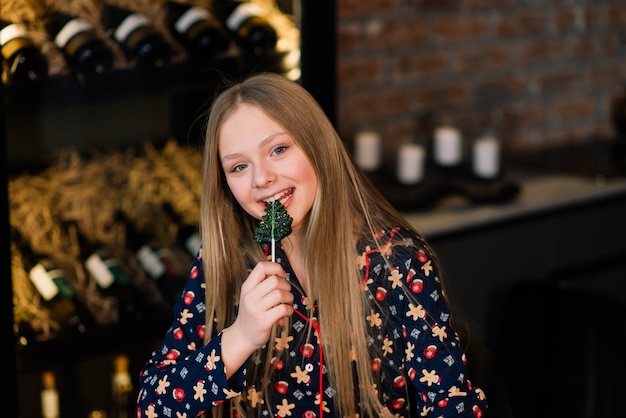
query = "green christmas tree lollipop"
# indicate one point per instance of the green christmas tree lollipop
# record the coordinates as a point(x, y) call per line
point(275, 225)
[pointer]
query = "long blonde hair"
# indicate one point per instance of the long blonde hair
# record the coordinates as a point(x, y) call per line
point(346, 207)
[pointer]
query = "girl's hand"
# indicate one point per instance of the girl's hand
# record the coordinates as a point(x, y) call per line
point(265, 298)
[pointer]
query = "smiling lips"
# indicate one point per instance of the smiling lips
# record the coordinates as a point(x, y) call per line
point(281, 196)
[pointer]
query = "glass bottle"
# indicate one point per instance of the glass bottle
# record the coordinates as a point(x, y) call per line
point(58, 295)
point(83, 49)
point(187, 236)
point(143, 45)
point(158, 261)
point(109, 275)
point(251, 29)
point(121, 387)
point(201, 34)
point(22, 60)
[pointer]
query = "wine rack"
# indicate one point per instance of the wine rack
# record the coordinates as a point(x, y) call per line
point(120, 109)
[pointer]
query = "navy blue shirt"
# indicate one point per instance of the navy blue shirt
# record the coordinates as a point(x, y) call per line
point(424, 367)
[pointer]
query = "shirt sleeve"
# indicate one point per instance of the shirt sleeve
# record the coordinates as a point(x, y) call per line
point(416, 333)
point(184, 375)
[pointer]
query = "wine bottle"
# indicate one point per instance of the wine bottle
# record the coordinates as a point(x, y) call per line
point(250, 28)
point(158, 261)
point(58, 295)
point(109, 275)
point(49, 396)
point(84, 50)
point(121, 387)
point(187, 235)
point(143, 45)
point(201, 34)
point(22, 60)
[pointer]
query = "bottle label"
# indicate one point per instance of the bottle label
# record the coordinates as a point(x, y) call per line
point(11, 32)
point(42, 279)
point(129, 25)
point(193, 244)
point(71, 29)
point(242, 13)
point(150, 261)
point(191, 16)
point(99, 271)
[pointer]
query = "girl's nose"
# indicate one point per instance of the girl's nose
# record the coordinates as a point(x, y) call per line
point(263, 176)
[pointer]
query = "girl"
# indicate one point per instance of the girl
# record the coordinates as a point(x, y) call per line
point(350, 320)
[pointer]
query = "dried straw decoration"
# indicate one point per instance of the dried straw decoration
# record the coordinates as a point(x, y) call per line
point(88, 190)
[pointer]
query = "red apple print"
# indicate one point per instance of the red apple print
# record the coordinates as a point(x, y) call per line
point(281, 387)
point(194, 272)
point(307, 350)
point(278, 363)
point(412, 373)
point(309, 414)
point(201, 330)
point(421, 256)
point(417, 285)
point(442, 403)
point(376, 365)
point(172, 354)
point(430, 351)
point(178, 333)
point(178, 394)
point(478, 413)
point(399, 381)
point(381, 292)
point(189, 296)
point(397, 403)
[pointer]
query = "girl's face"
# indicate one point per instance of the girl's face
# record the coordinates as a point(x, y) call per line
point(262, 162)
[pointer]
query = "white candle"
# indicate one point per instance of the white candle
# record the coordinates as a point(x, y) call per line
point(410, 168)
point(447, 146)
point(486, 157)
point(367, 150)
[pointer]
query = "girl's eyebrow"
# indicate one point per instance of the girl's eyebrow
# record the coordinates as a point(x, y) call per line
point(263, 143)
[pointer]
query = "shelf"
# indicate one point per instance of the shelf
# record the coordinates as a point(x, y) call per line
point(123, 84)
point(67, 349)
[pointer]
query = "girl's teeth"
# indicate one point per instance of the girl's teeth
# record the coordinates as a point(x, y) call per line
point(278, 196)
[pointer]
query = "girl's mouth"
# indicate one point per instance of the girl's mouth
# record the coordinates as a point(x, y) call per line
point(281, 196)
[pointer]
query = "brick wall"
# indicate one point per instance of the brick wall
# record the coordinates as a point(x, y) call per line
point(547, 70)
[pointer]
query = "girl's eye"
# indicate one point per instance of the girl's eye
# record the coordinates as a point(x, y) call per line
point(280, 149)
point(237, 168)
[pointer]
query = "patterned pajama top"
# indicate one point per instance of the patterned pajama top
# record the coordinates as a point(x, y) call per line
point(426, 374)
